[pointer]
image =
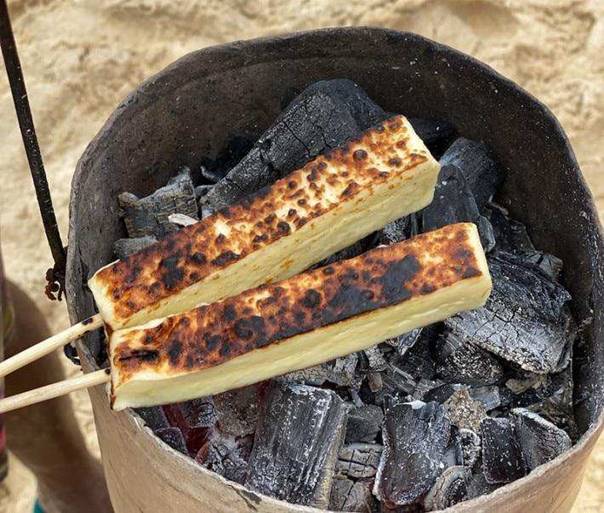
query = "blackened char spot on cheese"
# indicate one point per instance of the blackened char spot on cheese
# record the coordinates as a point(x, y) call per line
point(174, 351)
point(397, 275)
point(225, 257)
point(311, 298)
point(252, 327)
point(172, 275)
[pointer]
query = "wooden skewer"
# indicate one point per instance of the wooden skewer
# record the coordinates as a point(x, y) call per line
point(55, 390)
point(47, 346)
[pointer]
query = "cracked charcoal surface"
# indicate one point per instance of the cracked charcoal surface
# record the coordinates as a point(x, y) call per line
point(297, 443)
point(471, 447)
point(364, 423)
point(124, 247)
point(227, 455)
point(463, 411)
point(475, 161)
point(324, 116)
point(148, 216)
point(416, 436)
point(174, 438)
point(526, 319)
point(436, 134)
point(359, 460)
point(237, 411)
point(540, 440)
point(346, 495)
point(450, 488)
point(453, 203)
point(460, 361)
point(502, 460)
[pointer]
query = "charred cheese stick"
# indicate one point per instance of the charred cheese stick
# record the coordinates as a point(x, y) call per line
point(300, 322)
point(331, 202)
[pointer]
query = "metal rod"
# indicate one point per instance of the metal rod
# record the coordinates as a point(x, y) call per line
point(30, 141)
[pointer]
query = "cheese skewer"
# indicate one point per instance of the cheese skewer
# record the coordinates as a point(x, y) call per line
point(296, 323)
point(330, 203)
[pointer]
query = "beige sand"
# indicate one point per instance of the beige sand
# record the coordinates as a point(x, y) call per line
point(81, 58)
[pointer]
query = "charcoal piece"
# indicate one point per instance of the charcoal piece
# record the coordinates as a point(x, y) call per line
point(454, 203)
point(478, 485)
point(475, 161)
point(460, 361)
point(471, 447)
point(463, 411)
point(375, 358)
point(323, 117)
point(436, 134)
point(237, 411)
point(341, 372)
point(359, 461)
point(199, 412)
point(154, 417)
point(396, 231)
point(210, 176)
point(416, 436)
point(297, 443)
point(125, 247)
point(227, 455)
point(492, 396)
point(502, 460)
point(526, 319)
point(511, 235)
point(174, 438)
point(364, 423)
point(450, 488)
point(148, 216)
point(540, 440)
point(403, 342)
point(202, 190)
point(346, 495)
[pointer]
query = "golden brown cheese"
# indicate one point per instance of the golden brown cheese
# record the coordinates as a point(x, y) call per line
point(331, 202)
point(211, 336)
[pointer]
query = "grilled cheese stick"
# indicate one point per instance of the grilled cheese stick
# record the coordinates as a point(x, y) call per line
point(300, 322)
point(331, 202)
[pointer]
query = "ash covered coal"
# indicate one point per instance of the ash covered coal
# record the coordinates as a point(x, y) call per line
point(422, 421)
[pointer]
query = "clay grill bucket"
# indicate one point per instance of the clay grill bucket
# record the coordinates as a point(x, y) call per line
point(189, 110)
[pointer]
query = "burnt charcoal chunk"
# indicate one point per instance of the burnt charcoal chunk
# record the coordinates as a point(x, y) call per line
point(454, 203)
point(364, 423)
point(226, 455)
point(478, 485)
point(154, 417)
point(511, 235)
point(436, 134)
point(460, 361)
point(463, 411)
point(416, 436)
point(324, 116)
point(359, 461)
point(199, 412)
point(148, 217)
point(450, 488)
point(346, 495)
point(475, 161)
point(125, 247)
point(540, 440)
point(174, 438)
point(471, 447)
point(502, 460)
point(297, 443)
point(237, 411)
point(526, 319)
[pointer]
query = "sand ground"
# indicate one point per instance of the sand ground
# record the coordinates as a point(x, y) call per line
point(80, 57)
